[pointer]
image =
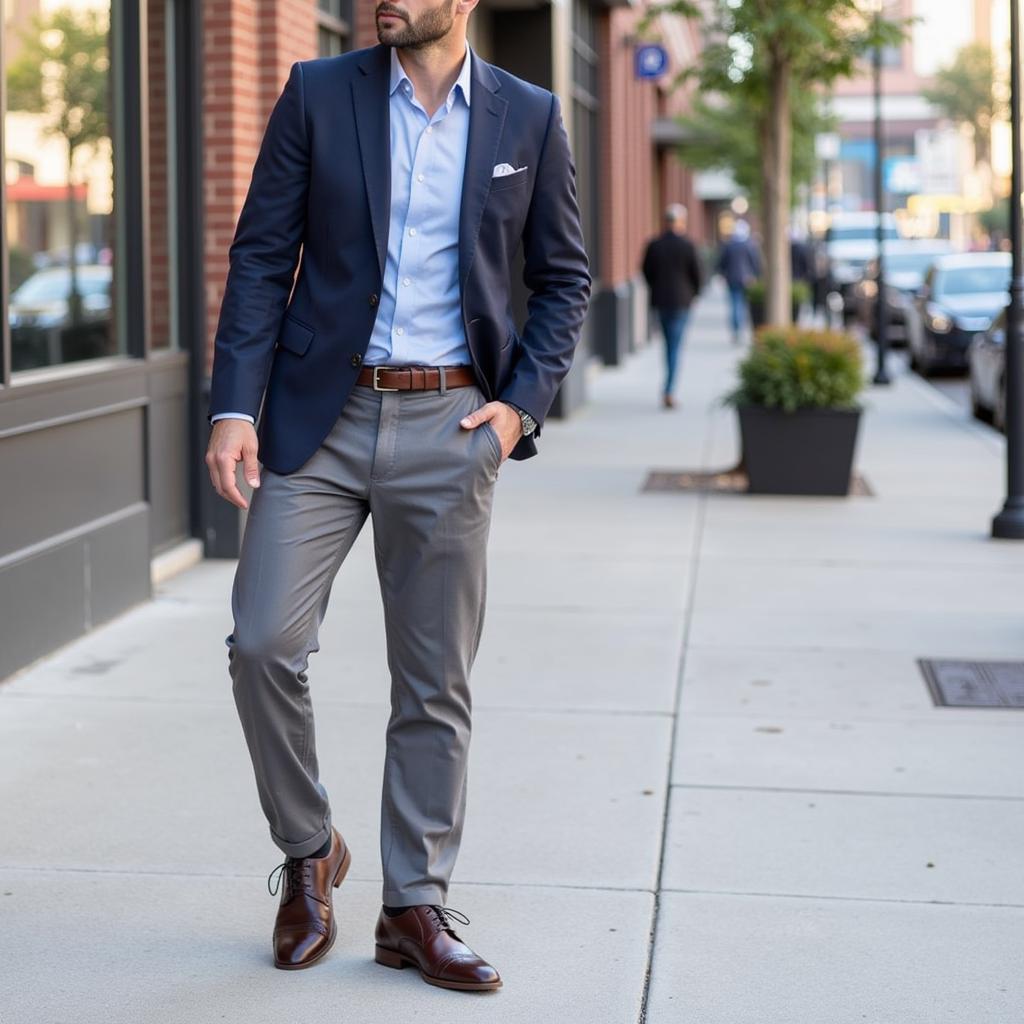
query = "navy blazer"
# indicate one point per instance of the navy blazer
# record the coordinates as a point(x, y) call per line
point(322, 182)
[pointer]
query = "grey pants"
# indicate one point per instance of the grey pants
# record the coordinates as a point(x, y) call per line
point(402, 458)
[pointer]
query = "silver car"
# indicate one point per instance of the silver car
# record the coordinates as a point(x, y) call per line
point(986, 360)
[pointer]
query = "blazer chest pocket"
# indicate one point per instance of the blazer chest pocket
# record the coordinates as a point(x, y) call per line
point(504, 181)
point(294, 336)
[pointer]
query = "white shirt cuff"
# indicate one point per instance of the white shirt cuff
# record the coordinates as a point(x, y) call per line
point(232, 416)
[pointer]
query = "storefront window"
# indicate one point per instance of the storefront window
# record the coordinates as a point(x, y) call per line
point(58, 181)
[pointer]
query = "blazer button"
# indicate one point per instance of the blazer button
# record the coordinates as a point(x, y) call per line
point(357, 360)
point(373, 299)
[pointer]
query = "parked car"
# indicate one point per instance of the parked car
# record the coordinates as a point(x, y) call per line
point(40, 316)
point(906, 262)
point(850, 241)
point(960, 297)
point(986, 358)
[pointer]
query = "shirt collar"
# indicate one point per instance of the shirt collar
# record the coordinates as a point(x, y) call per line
point(463, 82)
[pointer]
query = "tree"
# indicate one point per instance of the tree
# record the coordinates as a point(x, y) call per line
point(62, 72)
point(718, 137)
point(769, 54)
point(964, 92)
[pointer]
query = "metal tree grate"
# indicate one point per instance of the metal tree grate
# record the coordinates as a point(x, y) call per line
point(728, 481)
point(975, 684)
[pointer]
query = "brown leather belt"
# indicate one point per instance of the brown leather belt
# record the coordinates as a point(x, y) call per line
point(415, 378)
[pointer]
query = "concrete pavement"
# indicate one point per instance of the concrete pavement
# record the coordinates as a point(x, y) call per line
point(697, 718)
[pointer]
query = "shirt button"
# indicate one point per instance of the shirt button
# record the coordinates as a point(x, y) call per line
point(406, 280)
point(357, 360)
point(373, 299)
point(412, 231)
point(399, 330)
point(430, 128)
point(419, 177)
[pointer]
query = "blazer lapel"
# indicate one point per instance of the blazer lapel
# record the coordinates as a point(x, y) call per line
point(373, 128)
point(486, 120)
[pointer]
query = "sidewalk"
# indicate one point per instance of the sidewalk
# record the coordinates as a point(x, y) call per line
point(710, 727)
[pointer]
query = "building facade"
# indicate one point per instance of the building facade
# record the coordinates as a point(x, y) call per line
point(129, 133)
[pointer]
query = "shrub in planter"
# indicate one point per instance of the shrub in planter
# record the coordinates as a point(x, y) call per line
point(797, 405)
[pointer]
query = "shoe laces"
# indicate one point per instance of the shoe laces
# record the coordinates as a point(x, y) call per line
point(444, 916)
point(299, 872)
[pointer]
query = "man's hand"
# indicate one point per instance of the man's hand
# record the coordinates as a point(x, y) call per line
point(505, 420)
point(232, 441)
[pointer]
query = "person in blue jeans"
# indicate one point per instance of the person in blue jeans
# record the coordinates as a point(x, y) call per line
point(671, 267)
point(739, 263)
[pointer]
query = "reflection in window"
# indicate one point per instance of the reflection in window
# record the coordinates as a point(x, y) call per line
point(58, 177)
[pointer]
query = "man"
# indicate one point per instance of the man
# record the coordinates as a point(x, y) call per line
point(672, 270)
point(739, 263)
point(395, 386)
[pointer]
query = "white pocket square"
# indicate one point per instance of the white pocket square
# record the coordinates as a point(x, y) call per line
point(502, 170)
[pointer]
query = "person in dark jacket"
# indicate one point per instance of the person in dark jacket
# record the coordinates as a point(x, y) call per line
point(672, 270)
point(740, 264)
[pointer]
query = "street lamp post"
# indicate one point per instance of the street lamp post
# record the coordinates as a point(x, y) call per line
point(1009, 523)
point(881, 319)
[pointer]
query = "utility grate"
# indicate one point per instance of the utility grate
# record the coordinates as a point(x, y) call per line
point(974, 684)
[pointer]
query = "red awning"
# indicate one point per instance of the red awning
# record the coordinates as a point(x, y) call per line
point(29, 190)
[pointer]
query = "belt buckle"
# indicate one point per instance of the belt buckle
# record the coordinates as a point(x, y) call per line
point(376, 383)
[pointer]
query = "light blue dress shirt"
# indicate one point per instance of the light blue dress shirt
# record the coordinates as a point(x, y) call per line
point(419, 317)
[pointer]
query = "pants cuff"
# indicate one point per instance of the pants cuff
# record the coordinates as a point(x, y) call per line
point(306, 846)
point(430, 895)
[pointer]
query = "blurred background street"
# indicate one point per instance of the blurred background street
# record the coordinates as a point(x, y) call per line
point(756, 755)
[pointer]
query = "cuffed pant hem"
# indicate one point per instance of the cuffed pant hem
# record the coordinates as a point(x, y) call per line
point(307, 846)
point(429, 895)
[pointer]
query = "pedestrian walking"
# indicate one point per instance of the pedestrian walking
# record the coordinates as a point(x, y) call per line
point(739, 263)
point(671, 267)
point(393, 385)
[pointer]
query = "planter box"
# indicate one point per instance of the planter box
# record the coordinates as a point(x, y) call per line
point(809, 451)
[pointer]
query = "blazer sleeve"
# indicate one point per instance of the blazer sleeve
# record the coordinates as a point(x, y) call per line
point(262, 257)
point(557, 274)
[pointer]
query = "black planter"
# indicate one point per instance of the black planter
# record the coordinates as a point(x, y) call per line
point(758, 313)
point(809, 451)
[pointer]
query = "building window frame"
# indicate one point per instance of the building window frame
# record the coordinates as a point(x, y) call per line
point(128, 125)
point(334, 26)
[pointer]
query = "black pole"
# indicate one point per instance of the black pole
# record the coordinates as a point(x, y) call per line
point(881, 313)
point(1009, 523)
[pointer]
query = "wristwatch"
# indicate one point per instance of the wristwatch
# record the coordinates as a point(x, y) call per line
point(529, 423)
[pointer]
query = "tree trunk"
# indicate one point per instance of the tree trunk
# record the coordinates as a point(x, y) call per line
point(776, 169)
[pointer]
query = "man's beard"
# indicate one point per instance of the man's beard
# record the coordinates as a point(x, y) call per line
point(428, 28)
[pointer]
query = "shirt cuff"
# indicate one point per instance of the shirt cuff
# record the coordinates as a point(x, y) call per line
point(232, 416)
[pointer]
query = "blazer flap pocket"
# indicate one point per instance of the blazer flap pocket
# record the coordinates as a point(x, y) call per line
point(294, 336)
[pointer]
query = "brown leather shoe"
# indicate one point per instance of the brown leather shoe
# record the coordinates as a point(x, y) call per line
point(305, 928)
point(423, 937)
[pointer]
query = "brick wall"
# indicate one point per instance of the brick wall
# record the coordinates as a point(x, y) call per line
point(638, 179)
point(248, 49)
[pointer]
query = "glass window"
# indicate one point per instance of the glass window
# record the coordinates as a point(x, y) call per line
point(58, 181)
point(334, 27)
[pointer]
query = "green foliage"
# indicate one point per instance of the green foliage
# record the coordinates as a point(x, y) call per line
point(795, 368)
point(62, 71)
point(719, 136)
point(964, 91)
point(817, 41)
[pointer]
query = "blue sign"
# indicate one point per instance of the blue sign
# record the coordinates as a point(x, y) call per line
point(651, 61)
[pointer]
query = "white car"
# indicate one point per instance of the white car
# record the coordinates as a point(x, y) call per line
point(850, 241)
